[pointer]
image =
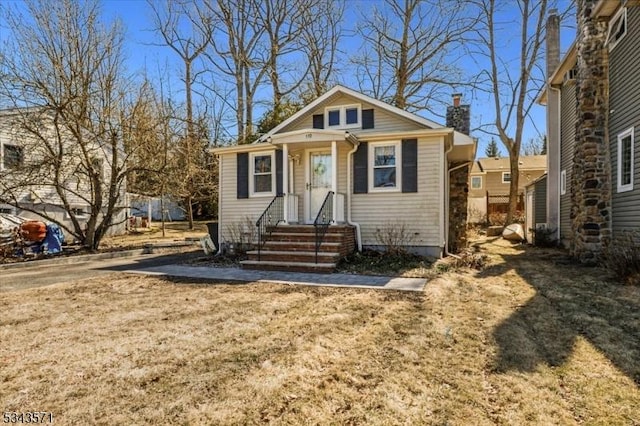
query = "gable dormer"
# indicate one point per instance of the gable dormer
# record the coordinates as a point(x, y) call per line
point(344, 117)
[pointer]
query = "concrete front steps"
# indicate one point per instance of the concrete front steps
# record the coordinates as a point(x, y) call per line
point(292, 248)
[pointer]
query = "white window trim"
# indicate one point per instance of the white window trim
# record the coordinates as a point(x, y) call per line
point(14, 210)
point(563, 182)
point(343, 116)
point(85, 212)
point(621, 136)
point(371, 162)
point(622, 14)
point(252, 165)
point(503, 175)
point(476, 187)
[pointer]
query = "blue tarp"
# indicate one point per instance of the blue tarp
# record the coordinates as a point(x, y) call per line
point(52, 243)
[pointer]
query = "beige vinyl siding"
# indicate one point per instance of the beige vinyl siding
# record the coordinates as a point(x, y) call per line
point(383, 121)
point(492, 182)
point(624, 105)
point(567, 142)
point(235, 211)
point(480, 192)
point(419, 212)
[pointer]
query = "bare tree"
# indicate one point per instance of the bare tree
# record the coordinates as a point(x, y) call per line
point(513, 89)
point(284, 22)
point(535, 146)
point(189, 45)
point(320, 38)
point(409, 54)
point(64, 78)
point(236, 54)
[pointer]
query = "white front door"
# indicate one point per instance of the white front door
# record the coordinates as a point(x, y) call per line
point(319, 182)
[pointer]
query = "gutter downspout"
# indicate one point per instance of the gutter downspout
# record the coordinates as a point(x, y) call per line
point(349, 190)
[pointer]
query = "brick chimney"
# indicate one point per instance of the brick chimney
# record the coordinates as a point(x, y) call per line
point(459, 116)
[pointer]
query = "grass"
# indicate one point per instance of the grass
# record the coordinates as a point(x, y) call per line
point(174, 231)
point(528, 340)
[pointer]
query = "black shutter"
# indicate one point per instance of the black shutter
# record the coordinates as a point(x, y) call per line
point(243, 175)
point(318, 121)
point(360, 171)
point(409, 165)
point(279, 172)
point(367, 118)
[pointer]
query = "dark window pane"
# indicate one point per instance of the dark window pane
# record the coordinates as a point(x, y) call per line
point(384, 177)
point(385, 156)
point(262, 183)
point(626, 161)
point(352, 115)
point(12, 156)
point(262, 164)
point(334, 117)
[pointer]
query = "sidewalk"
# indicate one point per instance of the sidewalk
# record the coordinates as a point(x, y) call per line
point(323, 280)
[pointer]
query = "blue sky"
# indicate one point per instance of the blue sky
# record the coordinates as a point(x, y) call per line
point(142, 54)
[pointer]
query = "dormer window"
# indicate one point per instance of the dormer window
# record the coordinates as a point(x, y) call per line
point(343, 117)
point(618, 28)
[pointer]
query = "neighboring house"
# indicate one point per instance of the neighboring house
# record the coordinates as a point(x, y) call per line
point(490, 181)
point(348, 159)
point(602, 198)
point(139, 205)
point(535, 208)
point(25, 188)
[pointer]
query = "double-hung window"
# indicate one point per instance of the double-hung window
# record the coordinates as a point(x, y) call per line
point(625, 160)
point(262, 181)
point(506, 177)
point(384, 160)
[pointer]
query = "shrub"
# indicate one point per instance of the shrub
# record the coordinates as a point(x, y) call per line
point(469, 258)
point(544, 237)
point(242, 235)
point(622, 257)
point(394, 237)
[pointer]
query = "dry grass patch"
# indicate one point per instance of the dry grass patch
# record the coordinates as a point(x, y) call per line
point(174, 231)
point(522, 342)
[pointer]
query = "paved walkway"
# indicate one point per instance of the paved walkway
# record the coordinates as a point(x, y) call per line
point(39, 273)
point(326, 280)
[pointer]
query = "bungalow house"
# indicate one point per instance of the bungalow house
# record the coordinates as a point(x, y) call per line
point(593, 121)
point(27, 174)
point(347, 170)
point(490, 180)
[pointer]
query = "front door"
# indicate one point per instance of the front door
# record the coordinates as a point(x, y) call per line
point(319, 182)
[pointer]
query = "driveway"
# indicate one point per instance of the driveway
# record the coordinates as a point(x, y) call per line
point(40, 274)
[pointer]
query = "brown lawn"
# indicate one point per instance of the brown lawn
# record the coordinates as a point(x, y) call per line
point(527, 341)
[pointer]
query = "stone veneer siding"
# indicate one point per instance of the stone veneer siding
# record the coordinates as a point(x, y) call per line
point(591, 177)
point(458, 118)
point(458, 195)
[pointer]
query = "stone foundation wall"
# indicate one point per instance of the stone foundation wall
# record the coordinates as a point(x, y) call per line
point(591, 177)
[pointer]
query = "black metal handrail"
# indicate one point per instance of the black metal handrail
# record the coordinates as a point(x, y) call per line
point(323, 220)
point(270, 218)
